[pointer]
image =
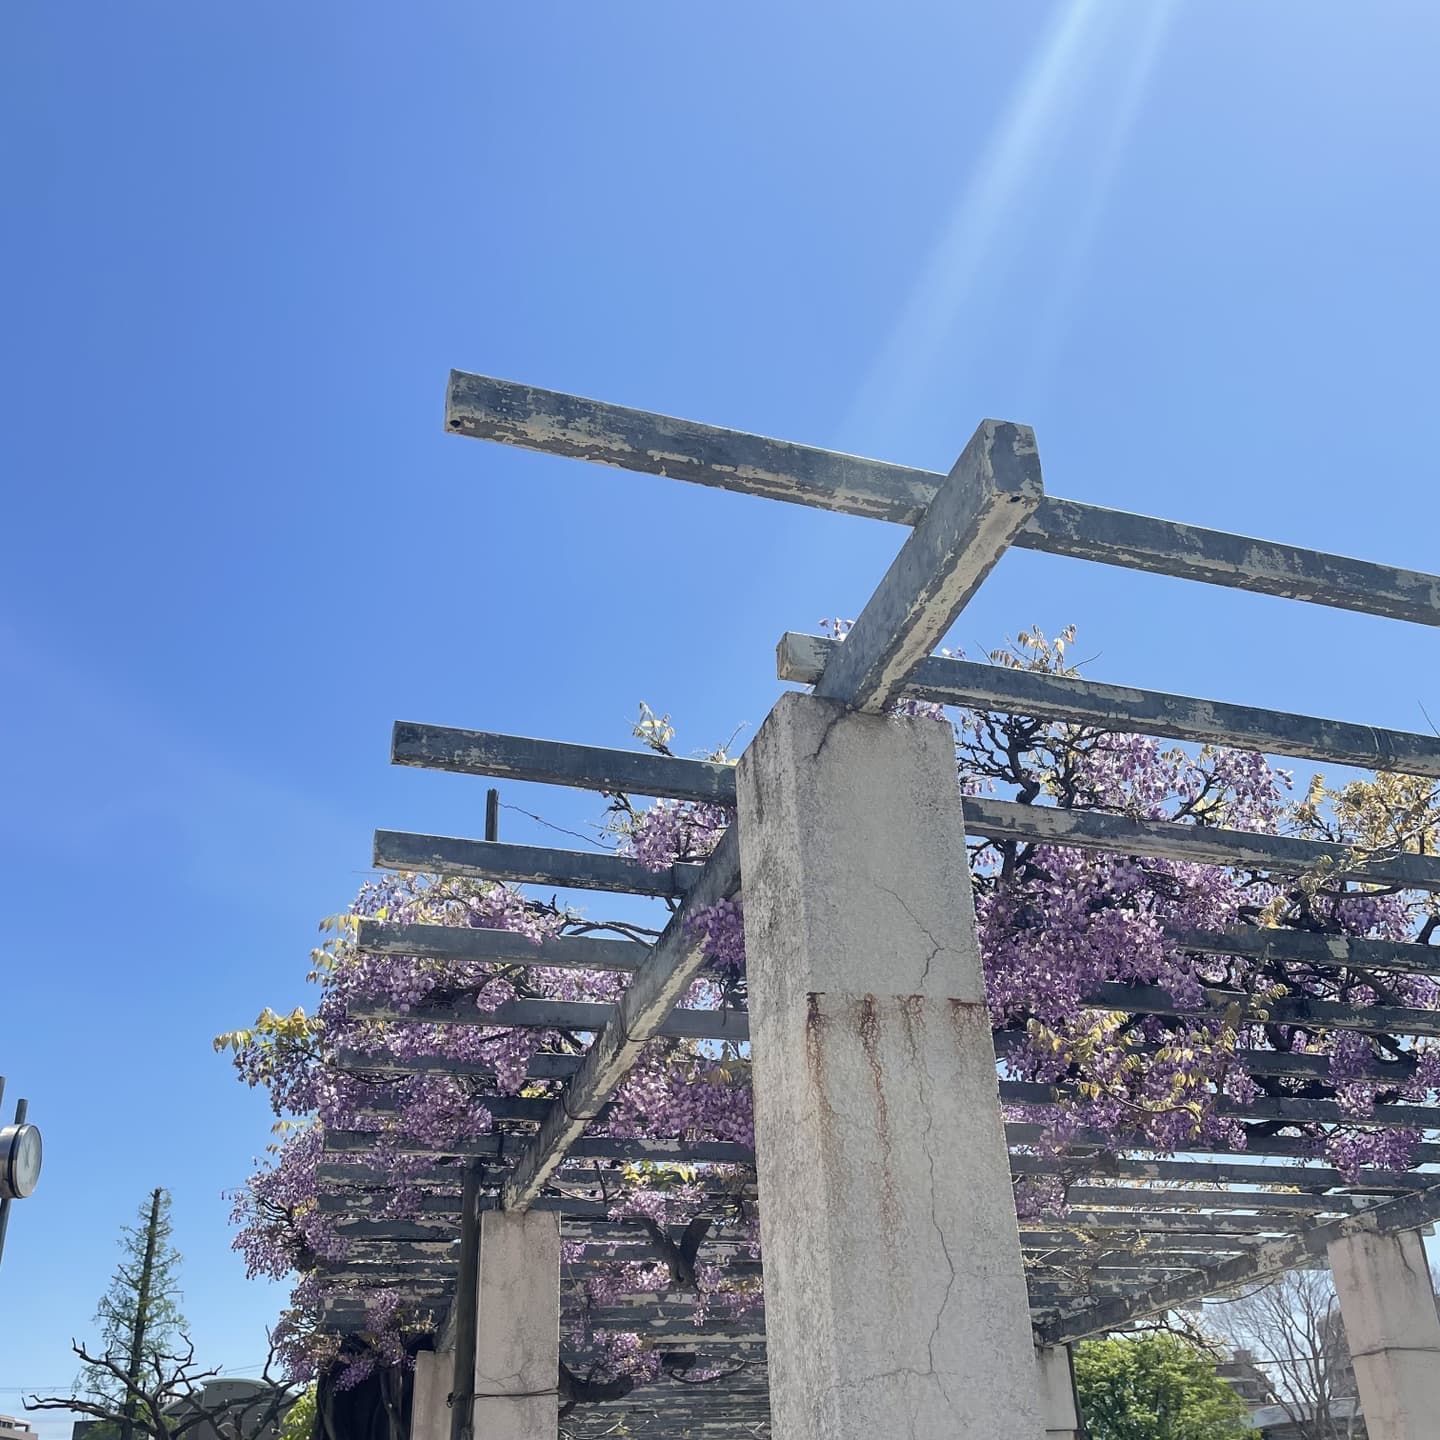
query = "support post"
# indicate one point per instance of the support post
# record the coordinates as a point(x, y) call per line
point(895, 1300)
point(517, 1335)
point(1057, 1392)
point(430, 1396)
point(1388, 1307)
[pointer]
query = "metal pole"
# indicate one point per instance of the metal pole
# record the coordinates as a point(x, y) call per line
point(462, 1396)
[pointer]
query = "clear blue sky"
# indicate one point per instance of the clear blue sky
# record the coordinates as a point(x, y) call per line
point(1193, 244)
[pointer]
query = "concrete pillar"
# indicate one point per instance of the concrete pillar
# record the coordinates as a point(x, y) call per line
point(429, 1396)
point(517, 1333)
point(895, 1299)
point(1388, 1307)
point(1057, 1392)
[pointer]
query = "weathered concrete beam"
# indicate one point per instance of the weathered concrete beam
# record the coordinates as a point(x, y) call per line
point(476, 945)
point(968, 525)
point(1201, 844)
point(559, 424)
point(516, 757)
point(581, 1015)
point(647, 1003)
point(804, 659)
point(591, 1147)
point(527, 864)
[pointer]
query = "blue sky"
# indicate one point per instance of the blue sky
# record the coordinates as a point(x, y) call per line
point(1191, 244)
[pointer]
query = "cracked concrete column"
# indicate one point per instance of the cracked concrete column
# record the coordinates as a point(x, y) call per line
point(1388, 1307)
point(1057, 1392)
point(517, 1334)
point(429, 1410)
point(895, 1299)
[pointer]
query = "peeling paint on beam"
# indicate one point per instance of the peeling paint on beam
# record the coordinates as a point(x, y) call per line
point(587, 1147)
point(1201, 844)
point(527, 864)
point(804, 659)
point(1217, 1172)
point(558, 424)
point(376, 1062)
point(1302, 947)
point(1258, 1144)
point(1290, 1109)
point(975, 514)
point(1298, 1010)
point(1144, 1196)
point(1162, 1222)
point(591, 767)
point(595, 767)
point(476, 945)
point(581, 1015)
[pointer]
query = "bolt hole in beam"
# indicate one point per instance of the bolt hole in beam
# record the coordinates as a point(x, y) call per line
point(549, 421)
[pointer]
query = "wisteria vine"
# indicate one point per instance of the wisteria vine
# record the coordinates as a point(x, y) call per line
point(1054, 923)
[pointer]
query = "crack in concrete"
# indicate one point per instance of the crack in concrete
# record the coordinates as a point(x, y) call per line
point(936, 946)
point(841, 713)
point(944, 1250)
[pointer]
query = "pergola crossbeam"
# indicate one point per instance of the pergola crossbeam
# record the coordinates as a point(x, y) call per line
point(558, 424)
point(804, 659)
point(967, 526)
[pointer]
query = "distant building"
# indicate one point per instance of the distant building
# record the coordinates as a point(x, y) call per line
point(13, 1429)
point(1246, 1378)
point(1274, 1422)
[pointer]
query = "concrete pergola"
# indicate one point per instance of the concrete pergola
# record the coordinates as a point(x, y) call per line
point(902, 1298)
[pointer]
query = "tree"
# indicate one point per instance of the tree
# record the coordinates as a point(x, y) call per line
point(1292, 1326)
point(165, 1399)
point(142, 1379)
point(300, 1419)
point(1155, 1387)
point(139, 1314)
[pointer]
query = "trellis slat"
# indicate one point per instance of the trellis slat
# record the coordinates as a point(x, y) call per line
point(529, 864)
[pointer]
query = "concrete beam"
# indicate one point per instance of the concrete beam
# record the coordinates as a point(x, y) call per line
point(1388, 1306)
point(517, 1335)
point(1057, 1392)
point(895, 1288)
point(558, 424)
